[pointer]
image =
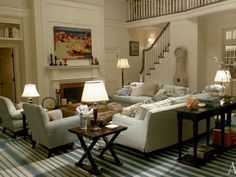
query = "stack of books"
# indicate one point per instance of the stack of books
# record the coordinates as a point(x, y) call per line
point(229, 136)
point(203, 151)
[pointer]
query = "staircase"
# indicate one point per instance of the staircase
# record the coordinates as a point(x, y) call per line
point(156, 56)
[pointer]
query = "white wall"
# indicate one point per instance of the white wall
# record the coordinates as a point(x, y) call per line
point(185, 33)
point(18, 11)
point(214, 28)
point(75, 14)
point(117, 36)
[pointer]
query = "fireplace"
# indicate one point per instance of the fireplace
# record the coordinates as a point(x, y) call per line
point(72, 91)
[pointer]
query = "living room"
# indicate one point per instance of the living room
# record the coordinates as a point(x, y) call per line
point(200, 31)
point(110, 33)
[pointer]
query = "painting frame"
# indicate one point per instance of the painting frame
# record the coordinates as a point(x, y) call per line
point(134, 48)
point(72, 43)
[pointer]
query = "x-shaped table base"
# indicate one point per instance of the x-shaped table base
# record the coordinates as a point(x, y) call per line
point(93, 168)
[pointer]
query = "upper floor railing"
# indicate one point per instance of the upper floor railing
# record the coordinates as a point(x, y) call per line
point(142, 9)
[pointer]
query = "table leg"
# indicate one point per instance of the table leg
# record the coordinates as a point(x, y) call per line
point(93, 168)
point(109, 145)
point(195, 138)
point(222, 127)
point(229, 118)
point(180, 126)
point(207, 130)
point(24, 125)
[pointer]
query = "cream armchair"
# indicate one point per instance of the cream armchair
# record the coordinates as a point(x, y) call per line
point(11, 118)
point(50, 134)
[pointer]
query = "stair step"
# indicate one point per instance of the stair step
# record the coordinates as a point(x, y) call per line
point(161, 56)
point(152, 68)
point(156, 62)
point(148, 73)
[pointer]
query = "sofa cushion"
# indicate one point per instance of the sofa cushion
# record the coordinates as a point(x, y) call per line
point(147, 89)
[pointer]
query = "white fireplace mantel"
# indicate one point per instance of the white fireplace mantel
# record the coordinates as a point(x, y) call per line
point(71, 74)
point(67, 73)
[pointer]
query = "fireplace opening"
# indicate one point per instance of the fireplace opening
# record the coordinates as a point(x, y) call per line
point(72, 91)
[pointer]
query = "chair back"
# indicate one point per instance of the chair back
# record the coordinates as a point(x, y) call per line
point(6, 109)
point(37, 119)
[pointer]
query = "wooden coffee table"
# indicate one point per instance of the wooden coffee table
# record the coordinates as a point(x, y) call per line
point(95, 136)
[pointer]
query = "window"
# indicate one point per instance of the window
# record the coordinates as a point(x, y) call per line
point(229, 49)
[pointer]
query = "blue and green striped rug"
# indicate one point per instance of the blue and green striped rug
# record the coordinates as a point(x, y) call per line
point(17, 158)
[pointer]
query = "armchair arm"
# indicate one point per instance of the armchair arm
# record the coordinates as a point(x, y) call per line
point(17, 114)
point(62, 125)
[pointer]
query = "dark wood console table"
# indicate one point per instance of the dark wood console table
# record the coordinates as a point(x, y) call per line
point(95, 136)
point(195, 116)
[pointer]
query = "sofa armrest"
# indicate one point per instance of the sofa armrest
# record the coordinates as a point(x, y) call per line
point(161, 109)
point(135, 135)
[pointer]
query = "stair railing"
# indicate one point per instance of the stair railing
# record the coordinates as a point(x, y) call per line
point(151, 56)
point(143, 9)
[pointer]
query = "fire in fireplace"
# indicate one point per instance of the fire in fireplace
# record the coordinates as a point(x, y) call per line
point(72, 91)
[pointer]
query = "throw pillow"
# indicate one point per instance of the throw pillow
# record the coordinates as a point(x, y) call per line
point(136, 84)
point(147, 89)
point(160, 95)
point(180, 91)
point(136, 91)
point(125, 91)
point(142, 110)
point(52, 117)
point(130, 110)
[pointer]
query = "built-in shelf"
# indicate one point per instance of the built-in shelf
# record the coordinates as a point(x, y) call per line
point(10, 30)
point(72, 67)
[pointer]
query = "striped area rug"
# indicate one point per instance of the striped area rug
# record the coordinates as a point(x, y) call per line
point(17, 158)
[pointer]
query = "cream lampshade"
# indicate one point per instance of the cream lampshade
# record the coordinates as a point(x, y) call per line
point(122, 64)
point(222, 76)
point(30, 91)
point(94, 92)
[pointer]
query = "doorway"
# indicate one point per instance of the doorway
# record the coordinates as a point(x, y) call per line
point(7, 74)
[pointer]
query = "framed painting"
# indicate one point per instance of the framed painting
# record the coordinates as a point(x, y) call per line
point(133, 48)
point(72, 43)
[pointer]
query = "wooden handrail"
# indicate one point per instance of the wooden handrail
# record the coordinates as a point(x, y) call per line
point(145, 50)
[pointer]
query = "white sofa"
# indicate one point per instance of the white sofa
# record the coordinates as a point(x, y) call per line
point(126, 95)
point(156, 130)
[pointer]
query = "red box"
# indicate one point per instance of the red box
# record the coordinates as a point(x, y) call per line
point(228, 137)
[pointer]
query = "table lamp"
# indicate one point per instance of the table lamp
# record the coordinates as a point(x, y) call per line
point(122, 64)
point(30, 91)
point(222, 76)
point(94, 92)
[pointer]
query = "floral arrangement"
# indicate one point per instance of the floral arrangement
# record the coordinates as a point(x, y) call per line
point(215, 89)
point(82, 110)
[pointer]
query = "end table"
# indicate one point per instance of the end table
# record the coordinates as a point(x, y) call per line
point(95, 136)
